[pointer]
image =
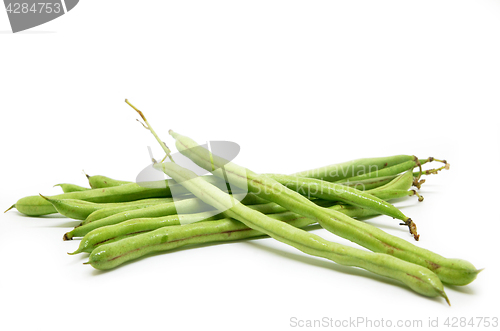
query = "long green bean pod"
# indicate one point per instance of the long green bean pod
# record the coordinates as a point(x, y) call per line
point(81, 209)
point(452, 271)
point(389, 171)
point(106, 212)
point(353, 168)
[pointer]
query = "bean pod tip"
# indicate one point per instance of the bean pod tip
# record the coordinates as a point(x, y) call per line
point(446, 298)
point(13, 206)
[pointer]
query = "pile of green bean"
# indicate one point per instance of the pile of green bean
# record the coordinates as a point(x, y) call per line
point(122, 221)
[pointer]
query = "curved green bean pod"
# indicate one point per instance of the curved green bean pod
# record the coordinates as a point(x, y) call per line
point(418, 278)
point(80, 209)
point(99, 181)
point(452, 271)
point(67, 188)
point(331, 191)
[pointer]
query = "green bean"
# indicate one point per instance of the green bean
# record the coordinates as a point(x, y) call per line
point(370, 183)
point(452, 271)
point(393, 170)
point(418, 278)
point(337, 172)
point(331, 191)
point(105, 212)
point(163, 209)
point(67, 188)
point(80, 209)
point(98, 181)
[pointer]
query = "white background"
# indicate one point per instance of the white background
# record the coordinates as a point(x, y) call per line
point(298, 84)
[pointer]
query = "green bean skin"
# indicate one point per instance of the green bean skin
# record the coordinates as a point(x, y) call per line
point(418, 278)
point(98, 181)
point(337, 172)
point(80, 209)
point(366, 235)
point(164, 209)
point(67, 188)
